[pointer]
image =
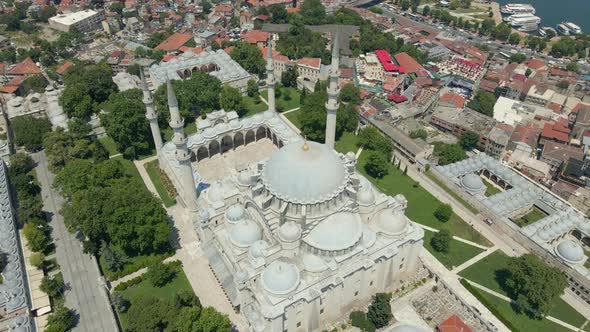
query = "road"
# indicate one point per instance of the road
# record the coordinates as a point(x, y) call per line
point(85, 292)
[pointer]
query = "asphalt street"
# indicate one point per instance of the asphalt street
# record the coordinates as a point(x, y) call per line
point(85, 292)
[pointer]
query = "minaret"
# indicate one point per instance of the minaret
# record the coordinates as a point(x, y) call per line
point(332, 104)
point(270, 75)
point(150, 113)
point(183, 155)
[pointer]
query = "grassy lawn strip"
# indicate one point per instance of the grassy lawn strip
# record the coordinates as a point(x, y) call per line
point(253, 105)
point(532, 216)
point(133, 264)
point(487, 273)
point(109, 145)
point(459, 252)
point(144, 288)
point(513, 320)
point(156, 175)
point(452, 193)
point(294, 118)
point(421, 204)
point(491, 190)
point(285, 104)
point(347, 143)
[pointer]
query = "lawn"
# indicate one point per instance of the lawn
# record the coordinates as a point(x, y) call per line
point(347, 143)
point(156, 175)
point(452, 193)
point(421, 204)
point(521, 322)
point(109, 145)
point(491, 190)
point(253, 106)
point(283, 102)
point(178, 284)
point(130, 168)
point(484, 273)
point(532, 216)
point(294, 118)
point(133, 264)
point(458, 254)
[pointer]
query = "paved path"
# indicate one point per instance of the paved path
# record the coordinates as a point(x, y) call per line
point(138, 272)
point(291, 110)
point(86, 293)
point(460, 239)
point(140, 165)
point(474, 259)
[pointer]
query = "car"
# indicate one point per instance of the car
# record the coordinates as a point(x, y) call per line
point(488, 221)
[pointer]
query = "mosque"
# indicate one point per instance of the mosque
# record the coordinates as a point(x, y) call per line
point(295, 235)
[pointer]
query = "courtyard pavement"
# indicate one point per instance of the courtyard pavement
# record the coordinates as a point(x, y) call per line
point(86, 292)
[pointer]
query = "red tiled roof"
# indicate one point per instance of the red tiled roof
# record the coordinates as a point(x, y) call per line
point(64, 67)
point(519, 77)
point(168, 57)
point(195, 50)
point(174, 42)
point(391, 83)
point(453, 98)
point(556, 108)
point(407, 62)
point(8, 89)
point(386, 62)
point(26, 67)
point(454, 324)
point(535, 64)
point(550, 132)
point(397, 98)
point(488, 85)
point(346, 73)
point(315, 63)
point(255, 36)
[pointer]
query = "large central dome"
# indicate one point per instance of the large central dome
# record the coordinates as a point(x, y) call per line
point(305, 173)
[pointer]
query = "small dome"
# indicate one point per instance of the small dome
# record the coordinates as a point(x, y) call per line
point(391, 222)
point(258, 249)
point(289, 232)
point(313, 263)
point(280, 278)
point(209, 133)
point(234, 213)
point(351, 155)
point(235, 124)
point(401, 327)
point(570, 252)
point(339, 231)
point(472, 182)
point(366, 196)
point(244, 233)
point(214, 193)
point(204, 215)
point(244, 178)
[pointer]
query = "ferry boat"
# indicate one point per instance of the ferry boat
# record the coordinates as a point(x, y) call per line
point(517, 8)
point(573, 28)
point(561, 28)
point(524, 19)
point(543, 31)
point(529, 27)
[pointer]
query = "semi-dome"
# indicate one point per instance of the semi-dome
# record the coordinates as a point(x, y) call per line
point(472, 182)
point(339, 231)
point(244, 178)
point(305, 173)
point(289, 232)
point(280, 278)
point(391, 222)
point(244, 233)
point(366, 196)
point(570, 252)
point(234, 213)
point(258, 249)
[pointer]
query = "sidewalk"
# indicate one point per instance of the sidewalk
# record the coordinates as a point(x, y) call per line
point(139, 272)
point(460, 239)
point(474, 260)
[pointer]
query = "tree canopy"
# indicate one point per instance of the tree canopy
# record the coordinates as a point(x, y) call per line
point(443, 212)
point(441, 240)
point(377, 165)
point(483, 103)
point(468, 140)
point(230, 99)
point(371, 139)
point(29, 131)
point(62, 147)
point(249, 57)
point(86, 87)
point(448, 153)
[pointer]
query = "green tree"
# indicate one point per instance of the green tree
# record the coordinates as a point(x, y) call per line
point(231, 100)
point(78, 127)
point(289, 77)
point(300, 42)
point(518, 58)
point(114, 257)
point(501, 31)
point(443, 212)
point(359, 319)
point(61, 320)
point(29, 131)
point(350, 94)
point(35, 83)
point(534, 285)
point(159, 274)
point(313, 12)
point(528, 72)
point(376, 10)
point(213, 320)
point(347, 120)
point(419, 133)
point(62, 147)
point(20, 163)
point(483, 103)
point(426, 10)
point(441, 240)
point(37, 238)
point(469, 140)
point(371, 139)
point(126, 124)
point(377, 165)
point(249, 57)
point(252, 88)
point(53, 286)
point(563, 84)
point(37, 259)
point(86, 87)
point(379, 312)
point(120, 303)
point(573, 66)
point(148, 313)
point(514, 38)
point(486, 26)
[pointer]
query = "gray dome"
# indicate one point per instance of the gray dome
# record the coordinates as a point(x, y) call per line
point(570, 252)
point(351, 155)
point(244, 233)
point(289, 232)
point(258, 249)
point(280, 278)
point(339, 231)
point(234, 213)
point(472, 182)
point(366, 196)
point(391, 222)
point(405, 328)
point(244, 178)
point(305, 173)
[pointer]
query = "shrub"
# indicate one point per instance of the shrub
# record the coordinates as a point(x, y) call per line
point(37, 259)
point(443, 212)
point(359, 319)
point(441, 241)
point(159, 274)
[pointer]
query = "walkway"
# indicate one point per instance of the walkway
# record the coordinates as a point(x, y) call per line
point(460, 239)
point(140, 165)
point(139, 272)
point(474, 259)
point(86, 292)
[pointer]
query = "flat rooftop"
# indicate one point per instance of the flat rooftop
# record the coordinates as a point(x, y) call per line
point(72, 18)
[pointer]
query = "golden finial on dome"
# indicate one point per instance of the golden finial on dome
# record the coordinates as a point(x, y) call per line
point(305, 146)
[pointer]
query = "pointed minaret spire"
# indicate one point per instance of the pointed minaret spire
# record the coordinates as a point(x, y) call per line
point(332, 104)
point(270, 75)
point(150, 113)
point(183, 155)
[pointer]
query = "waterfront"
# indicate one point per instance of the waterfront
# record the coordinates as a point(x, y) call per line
point(553, 12)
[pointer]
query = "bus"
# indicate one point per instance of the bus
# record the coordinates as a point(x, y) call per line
point(504, 55)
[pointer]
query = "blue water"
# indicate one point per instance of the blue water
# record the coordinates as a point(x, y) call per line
point(553, 12)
